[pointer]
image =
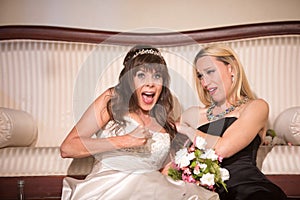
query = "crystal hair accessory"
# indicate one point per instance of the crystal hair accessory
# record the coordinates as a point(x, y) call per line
point(146, 51)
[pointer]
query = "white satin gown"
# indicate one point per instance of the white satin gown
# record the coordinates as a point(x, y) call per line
point(125, 175)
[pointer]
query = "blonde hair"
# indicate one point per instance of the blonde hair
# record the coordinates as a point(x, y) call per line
point(240, 86)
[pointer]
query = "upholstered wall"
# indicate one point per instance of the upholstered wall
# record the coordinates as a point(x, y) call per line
point(56, 81)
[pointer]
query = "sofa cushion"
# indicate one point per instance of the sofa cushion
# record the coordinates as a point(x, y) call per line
point(282, 160)
point(17, 128)
point(287, 125)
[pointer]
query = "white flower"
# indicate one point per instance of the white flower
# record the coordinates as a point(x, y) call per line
point(200, 142)
point(209, 154)
point(203, 166)
point(196, 170)
point(183, 157)
point(208, 179)
point(224, 174)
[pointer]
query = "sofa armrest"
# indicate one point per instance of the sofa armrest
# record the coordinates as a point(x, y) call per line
point(17, 128)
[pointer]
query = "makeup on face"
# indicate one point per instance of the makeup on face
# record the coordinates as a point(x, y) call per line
point(214, 77)
point(148, 86)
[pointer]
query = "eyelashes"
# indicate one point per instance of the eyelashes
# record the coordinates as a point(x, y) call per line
point(142, 75)
point(207, 73)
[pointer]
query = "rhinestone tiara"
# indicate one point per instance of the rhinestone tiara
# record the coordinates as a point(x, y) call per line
point(146, 51)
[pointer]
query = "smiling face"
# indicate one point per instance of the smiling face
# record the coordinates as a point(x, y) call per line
point(215, 78)
point(148, 87)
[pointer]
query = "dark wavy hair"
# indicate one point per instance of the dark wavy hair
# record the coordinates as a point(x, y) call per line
point(124, 99)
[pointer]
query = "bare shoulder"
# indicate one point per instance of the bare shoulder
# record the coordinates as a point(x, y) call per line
point(256, 107)
point(105, 96)
point(100, 105)
point(258, 104)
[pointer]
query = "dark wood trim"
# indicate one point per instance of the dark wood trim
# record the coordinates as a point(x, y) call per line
point(288, 183)
point(50, 187)
point(35, 187)
point(41, 187)
point(158, 39)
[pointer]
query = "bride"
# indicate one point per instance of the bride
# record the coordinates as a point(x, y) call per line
point(134, 129)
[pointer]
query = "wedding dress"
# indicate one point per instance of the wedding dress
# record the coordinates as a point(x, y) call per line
point(132, 175)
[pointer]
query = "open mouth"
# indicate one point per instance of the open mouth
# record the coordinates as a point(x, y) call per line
point(211, 90)
point(148, 97)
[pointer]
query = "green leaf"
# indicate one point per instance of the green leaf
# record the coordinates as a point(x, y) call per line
point(175, 174)
point(271, 132)
point(193, 165)
point(198, 153)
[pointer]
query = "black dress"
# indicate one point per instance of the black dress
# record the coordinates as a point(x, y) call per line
point(246, 180)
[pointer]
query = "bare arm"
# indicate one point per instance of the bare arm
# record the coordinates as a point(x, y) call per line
point(79, 142)
point(251, 121)
point(189, 123)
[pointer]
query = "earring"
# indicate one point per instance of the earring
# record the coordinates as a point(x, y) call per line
point(232, 78)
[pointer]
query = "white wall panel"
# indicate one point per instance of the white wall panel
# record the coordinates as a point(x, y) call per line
point(56, 81)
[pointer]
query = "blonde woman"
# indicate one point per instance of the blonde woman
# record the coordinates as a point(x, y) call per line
point(232, 121)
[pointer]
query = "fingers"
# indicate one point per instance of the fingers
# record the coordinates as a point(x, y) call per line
point(139, 137)
point(141, 132)
point(147, 133)
point(181, 127)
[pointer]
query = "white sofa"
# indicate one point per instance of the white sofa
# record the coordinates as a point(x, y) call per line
point(49, 75)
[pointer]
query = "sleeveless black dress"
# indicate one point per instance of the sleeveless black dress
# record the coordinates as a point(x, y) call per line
point(246, 180)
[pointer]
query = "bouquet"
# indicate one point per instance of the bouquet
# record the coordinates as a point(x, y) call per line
point(199, 165)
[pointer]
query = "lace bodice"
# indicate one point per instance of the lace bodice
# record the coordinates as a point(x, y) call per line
point(131, 160)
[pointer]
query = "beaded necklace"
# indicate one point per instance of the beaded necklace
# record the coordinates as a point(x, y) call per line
point(211, 117)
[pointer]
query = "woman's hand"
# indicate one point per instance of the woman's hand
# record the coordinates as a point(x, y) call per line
point(186, 130)
point(137, 137)
point(164, 171)
point(137, 141)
